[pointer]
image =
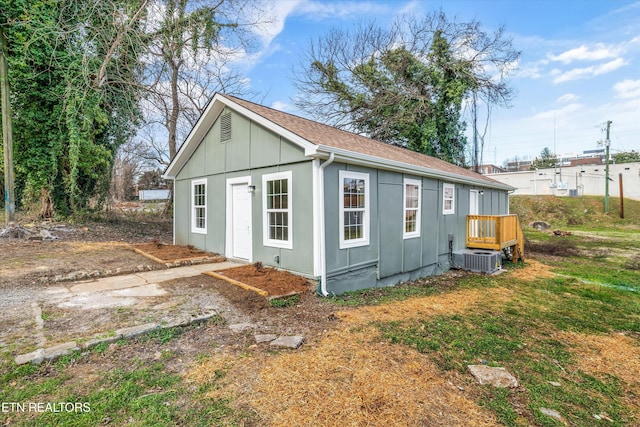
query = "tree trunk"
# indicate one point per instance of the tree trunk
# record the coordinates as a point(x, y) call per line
point(47, 207)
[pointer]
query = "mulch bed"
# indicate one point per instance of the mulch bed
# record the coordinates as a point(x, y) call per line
point(275, 282)
point(174, 253)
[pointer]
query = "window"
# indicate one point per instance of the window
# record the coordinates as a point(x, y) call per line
point(276, 190)
point(412, 201)
point(448, 199)
point(354, 209)
point(199, 206)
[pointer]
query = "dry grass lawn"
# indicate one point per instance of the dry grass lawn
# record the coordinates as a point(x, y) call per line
point(352, 376)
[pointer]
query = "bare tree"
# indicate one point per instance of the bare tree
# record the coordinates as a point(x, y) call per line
point(126, 168)
point(193, 45)
point(380, 81)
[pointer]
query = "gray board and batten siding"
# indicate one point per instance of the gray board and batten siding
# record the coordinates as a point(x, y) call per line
point(252, 151)
point(390, 258)
point(237, 151)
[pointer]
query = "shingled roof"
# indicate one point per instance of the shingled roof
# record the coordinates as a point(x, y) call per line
point(329, 138)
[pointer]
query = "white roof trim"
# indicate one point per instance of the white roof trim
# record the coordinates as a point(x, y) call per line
point(219, 101)
point(353, 157)
point(208, 118)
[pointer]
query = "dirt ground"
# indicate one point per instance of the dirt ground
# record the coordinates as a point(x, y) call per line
point(274, 282)
point(35, 273)
point(164, 252)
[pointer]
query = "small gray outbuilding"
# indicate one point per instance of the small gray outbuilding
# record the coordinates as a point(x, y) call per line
point(258, 184)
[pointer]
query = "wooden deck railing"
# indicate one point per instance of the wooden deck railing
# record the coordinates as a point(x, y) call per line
point(495, 232)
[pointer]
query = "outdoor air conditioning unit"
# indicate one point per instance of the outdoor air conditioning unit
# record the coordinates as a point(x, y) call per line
point(479, 261)
point(483, 261)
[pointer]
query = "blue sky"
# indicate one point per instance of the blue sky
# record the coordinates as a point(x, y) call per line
point(580, 65)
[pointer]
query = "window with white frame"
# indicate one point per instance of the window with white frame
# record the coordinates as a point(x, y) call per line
point(199, 205)
point(448, 199)
point(354, 209)
point(412, 202)
point(276, 200)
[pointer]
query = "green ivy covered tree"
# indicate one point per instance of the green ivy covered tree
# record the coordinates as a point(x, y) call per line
point(74, 96)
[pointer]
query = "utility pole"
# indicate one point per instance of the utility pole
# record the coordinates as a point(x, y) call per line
point(7, 135)
point(607, 143)
point(476, 166)
point(621, 196)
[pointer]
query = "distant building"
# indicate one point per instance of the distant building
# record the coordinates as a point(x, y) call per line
point(518, 166)
point(575, 181)
point(487, 169)
point(588, 157)
point(159, 194)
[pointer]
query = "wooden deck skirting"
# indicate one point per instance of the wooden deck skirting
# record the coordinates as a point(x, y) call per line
point(496, 232)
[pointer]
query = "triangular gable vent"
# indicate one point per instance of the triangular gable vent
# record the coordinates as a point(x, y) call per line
point(225, 127)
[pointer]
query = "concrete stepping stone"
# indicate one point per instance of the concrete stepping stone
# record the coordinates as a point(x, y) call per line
point(289, 342)
point(241, 327)
point(551, 413)
point(50, 353)
point(261, 338)
point(497, 377)
point(134, 331)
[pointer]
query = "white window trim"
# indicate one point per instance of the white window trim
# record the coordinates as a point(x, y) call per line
point(364, 241)
point(452, 210)
point(416, 233)
point(266, 241)
point(194, 227)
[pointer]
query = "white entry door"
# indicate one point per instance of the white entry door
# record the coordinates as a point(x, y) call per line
point(474, 203)
point(239, 243)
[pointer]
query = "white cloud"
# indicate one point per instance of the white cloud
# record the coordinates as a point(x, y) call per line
point(585, 53)
point(627, 89)
point(559, 112)
point(319, 10)
point(410, 8)
point(587, 72)
point(567, 98)
point(531, 70)
point(276, 18)
point(282, 106)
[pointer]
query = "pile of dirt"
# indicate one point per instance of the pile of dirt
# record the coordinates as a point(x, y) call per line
point(274, 282)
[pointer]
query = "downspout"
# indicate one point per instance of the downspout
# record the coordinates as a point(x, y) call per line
point(323, 258)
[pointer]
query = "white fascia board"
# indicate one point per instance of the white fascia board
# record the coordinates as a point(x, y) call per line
point(208, 118)
point(347, 156)
point(309, 147)
point(202, 126)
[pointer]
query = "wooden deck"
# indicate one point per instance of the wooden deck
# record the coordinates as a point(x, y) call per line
point(497, 232)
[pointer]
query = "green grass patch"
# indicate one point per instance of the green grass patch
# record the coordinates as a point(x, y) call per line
point(289, 301)
point(377, 296)
point(517, 339)
point(141, 394)
point(593, 292)
point(162, 335)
